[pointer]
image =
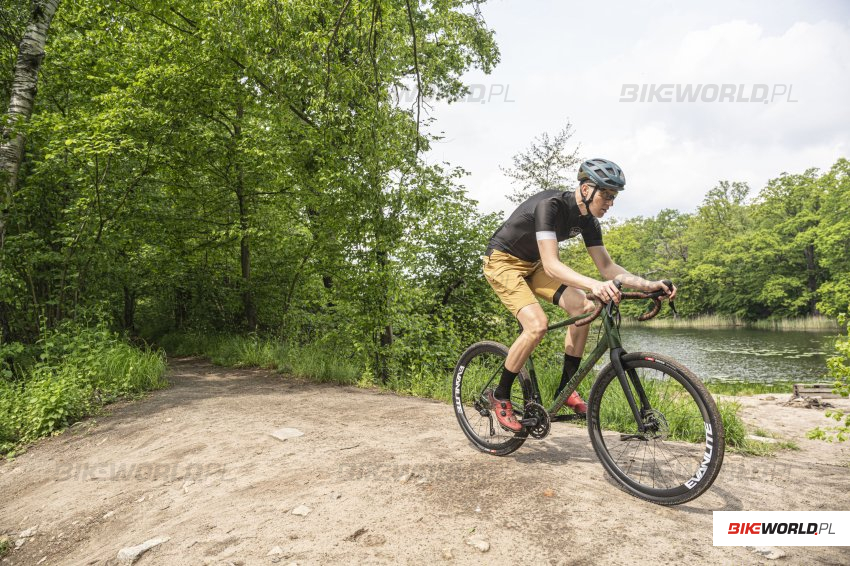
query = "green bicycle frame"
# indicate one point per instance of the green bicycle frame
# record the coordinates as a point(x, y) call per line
point(610, 341)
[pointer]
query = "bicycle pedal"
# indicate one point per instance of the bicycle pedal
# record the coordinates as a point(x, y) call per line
point(568, 418)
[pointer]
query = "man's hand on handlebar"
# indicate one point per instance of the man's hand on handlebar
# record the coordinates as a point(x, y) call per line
point(606, 291)
point(666, 286)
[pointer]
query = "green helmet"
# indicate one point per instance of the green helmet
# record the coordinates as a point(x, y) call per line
point(602, 173)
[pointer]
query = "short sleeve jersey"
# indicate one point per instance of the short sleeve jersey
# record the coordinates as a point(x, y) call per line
point(547, 215)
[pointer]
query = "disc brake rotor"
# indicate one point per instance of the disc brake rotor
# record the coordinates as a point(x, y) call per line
point(657, 427)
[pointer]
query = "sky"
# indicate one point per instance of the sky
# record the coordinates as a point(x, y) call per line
point(569, 61)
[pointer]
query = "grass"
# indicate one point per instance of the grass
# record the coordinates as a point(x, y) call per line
point(752, 447)
point(5, 546)
point(780, 442)
point(78, 371)
point(807, 323)
point(804, 323)
point(684, 421)
point(311, 361)
point(682, 416)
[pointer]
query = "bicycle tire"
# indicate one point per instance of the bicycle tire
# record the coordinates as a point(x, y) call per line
point(479, 363)
point(686, 443)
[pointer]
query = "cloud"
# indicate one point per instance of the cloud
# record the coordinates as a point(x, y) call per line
point(672, 152)
point(807, 64)
point(684, 148)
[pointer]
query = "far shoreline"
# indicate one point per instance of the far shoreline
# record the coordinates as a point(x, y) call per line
point(816, 323)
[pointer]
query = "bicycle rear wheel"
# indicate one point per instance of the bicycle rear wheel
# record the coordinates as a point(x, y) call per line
point(479, 369)
point(679, 455)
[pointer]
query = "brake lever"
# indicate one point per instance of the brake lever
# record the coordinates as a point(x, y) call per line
point(669, 285)
point(609, 309)
point(673, 308)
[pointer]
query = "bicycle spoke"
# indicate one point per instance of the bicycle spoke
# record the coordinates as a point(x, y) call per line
point(478, 370)
point(663, 460)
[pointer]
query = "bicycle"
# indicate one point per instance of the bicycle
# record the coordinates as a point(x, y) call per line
point(652, 423)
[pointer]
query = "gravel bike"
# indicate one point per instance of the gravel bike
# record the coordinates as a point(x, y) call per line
point(652, 423)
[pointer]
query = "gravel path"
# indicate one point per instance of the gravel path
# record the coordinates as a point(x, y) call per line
point(374, 478)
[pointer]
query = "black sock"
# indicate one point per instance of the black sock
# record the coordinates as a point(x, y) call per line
point(571, 364)
point(503, 391)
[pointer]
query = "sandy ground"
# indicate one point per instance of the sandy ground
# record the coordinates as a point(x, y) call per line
point(386, 479)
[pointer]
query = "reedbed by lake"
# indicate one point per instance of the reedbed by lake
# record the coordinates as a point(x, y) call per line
point(739, 354)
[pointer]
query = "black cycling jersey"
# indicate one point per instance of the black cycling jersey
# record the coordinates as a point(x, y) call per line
point(539, 217)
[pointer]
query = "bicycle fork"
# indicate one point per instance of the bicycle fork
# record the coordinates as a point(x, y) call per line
point(617, 363)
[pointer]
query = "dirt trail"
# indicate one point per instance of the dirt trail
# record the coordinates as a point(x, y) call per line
point(386, 478)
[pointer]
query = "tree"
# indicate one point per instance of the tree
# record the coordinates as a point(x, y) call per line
point(21, 101)
point(832, 241)
point(546, 164)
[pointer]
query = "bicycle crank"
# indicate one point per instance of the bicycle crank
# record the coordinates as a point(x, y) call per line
point(535, 420)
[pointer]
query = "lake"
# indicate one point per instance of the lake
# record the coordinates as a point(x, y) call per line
point(738, 354)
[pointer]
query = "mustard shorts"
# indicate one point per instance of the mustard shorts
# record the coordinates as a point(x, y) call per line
point(517, 281)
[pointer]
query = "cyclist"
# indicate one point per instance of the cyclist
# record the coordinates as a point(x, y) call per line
point(522, 261)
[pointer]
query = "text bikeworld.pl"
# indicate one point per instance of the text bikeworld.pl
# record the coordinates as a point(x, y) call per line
point(782, 528)
point(669, 92)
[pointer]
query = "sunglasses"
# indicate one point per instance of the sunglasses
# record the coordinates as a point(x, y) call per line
point(609, 197)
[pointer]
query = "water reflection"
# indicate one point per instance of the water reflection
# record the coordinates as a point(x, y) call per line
point(739, 354)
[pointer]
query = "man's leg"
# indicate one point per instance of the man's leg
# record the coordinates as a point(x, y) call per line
point(534, 322)
point(575, 303)
point(507, 275)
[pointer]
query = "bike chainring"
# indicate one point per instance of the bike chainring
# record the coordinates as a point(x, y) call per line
point(539, 414)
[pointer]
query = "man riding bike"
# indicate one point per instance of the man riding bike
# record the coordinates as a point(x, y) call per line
point(522, 261)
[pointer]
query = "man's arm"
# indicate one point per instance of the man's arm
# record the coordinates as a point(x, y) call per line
point(552, 265)
point(545, 219)
point(611, 270)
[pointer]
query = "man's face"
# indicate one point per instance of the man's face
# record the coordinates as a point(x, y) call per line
point(602, 201)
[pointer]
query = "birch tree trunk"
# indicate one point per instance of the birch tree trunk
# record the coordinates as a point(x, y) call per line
point(24, 86)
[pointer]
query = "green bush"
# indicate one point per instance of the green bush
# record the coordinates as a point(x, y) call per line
point(52, 402)
point(9, 415)
point(78, 369)
point(839, 370)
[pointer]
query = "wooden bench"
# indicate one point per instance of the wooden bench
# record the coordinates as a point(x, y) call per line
point(822, 390)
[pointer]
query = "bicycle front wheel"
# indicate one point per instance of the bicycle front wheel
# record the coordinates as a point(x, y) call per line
point(678, 455)
point(480, 368)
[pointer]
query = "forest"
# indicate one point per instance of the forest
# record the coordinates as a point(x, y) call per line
point(251, 174)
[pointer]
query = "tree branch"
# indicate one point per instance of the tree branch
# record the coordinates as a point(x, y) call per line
point(331, 43)
point(194, 34)
point(416, 67)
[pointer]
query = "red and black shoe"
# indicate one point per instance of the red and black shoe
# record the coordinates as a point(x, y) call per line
point(504, 412)
point(577, 404)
